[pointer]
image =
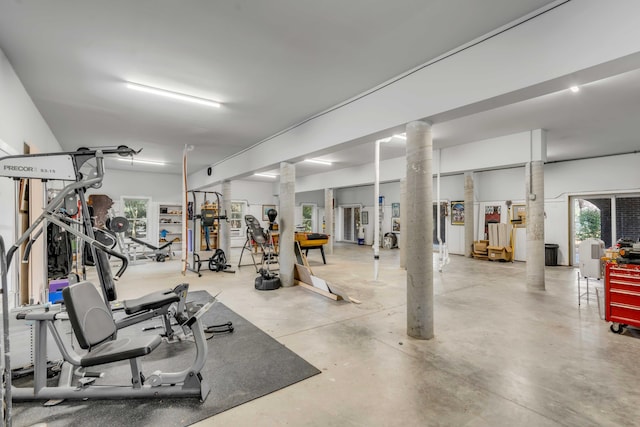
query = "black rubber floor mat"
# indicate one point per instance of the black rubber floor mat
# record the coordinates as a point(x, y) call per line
point(241, 366)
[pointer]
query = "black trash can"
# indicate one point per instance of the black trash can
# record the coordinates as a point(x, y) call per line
point(551, 254)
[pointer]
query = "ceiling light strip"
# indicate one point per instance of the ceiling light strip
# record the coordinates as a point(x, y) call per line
point(265, 175)
point(318, 162)
point(173, 95)
point(144, 162)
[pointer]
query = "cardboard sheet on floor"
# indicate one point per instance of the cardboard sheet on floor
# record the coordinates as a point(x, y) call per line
point(307, 280)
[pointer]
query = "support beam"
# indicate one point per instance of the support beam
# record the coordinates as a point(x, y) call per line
point(419, 231)
point(403, 223)
point(225, 227)
point(534, 181)
point(287, 226)
point(469, 214)
point(535, 225)
point(329, 216)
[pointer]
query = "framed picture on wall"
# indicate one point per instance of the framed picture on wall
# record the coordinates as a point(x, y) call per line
point(395, 225)
point(395, 210)
point(365, 217)
point(265, 209)
point(457, 213)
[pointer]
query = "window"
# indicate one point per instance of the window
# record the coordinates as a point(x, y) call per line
point(237, 215)
point(136, 211)
point(308, 217)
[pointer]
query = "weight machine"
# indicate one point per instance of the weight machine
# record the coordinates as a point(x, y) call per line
point(96, 332)
point(119, 225)
point(209, 221)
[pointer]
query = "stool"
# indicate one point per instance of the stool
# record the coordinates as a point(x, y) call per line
point(580, 293)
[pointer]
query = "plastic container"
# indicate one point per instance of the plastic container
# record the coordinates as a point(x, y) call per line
point(551, 254)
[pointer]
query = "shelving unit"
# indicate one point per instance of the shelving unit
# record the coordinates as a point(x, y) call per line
point(169, 223)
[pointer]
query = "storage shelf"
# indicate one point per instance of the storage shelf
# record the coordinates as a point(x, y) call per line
point(169, 212)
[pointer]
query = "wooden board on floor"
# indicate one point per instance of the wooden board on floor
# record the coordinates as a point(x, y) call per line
point(301, 258)
point(319, 291)
point(304, 278)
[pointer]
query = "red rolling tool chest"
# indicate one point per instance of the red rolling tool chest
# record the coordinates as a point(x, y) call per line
point(622, 296)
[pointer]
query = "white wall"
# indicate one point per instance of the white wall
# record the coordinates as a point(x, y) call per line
point(363, 195)
point(20, 122)
point(617, 174)
point(504, 184)
point(315, 197)
point(606, 175)
point(160, 187)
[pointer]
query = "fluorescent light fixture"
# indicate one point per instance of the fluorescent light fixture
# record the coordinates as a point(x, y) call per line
point(319, 162)
point(173, 95)
point(401, 136)
point(143, 162)
point(265, 175)
point(574, 89)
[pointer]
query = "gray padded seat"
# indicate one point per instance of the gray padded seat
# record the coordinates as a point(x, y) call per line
point(94, 328)
point(150, 302)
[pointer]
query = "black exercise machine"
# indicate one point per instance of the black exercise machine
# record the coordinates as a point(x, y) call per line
point(95, 331)
point(119, 225)
point(208, 219)
point(94, 324)
point(70, 166)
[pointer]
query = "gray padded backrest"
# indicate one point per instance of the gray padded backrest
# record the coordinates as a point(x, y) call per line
point(257, 232)
point(90, 317)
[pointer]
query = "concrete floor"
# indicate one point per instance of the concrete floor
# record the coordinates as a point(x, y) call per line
point(501, 356)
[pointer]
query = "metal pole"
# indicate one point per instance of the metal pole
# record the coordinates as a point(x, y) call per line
point(225, 227)
point(6, 372)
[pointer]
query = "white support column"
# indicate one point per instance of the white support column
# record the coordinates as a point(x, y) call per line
point(469, 215)
point(376, 211)
point(225, 227)
point(535, 225)
point(403, 223)
point(419, 231)
point(329, 219)
point(534, 180)
point(286, 254)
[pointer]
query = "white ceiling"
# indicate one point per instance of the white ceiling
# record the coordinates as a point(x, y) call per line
point(274, 64)
point(601, 119)
point(271, 63)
